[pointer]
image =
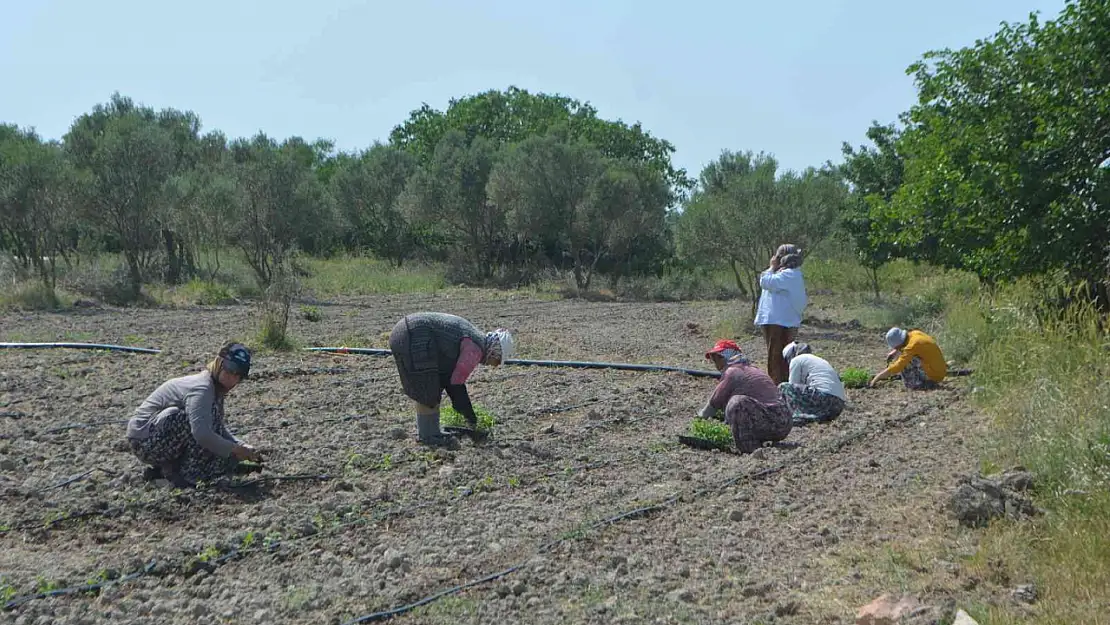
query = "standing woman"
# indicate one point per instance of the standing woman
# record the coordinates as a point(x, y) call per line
point(179, 429)
point(437, 352)
point(781, 305)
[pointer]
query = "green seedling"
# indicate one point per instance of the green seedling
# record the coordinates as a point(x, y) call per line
point(311, 313)
point(854, 377)
point(711, 430)
point(7, 592)
point(450, 417)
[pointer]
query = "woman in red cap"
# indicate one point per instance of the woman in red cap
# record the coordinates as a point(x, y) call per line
point(753, 406)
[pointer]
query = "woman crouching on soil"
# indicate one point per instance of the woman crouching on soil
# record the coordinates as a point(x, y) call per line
point(916, 356)
point(753, 407)
point(179, 429)
point(437, 352)
point(814, 392)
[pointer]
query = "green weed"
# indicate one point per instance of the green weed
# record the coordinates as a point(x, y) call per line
point(311, 313)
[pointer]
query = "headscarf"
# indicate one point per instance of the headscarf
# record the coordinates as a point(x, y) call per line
point(895, 337)
point(789, 255)
point(795, 349)
point(499, 345)
point(728, 350)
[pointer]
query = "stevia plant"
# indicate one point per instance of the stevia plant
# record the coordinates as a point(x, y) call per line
point(854, 377)
point(711, 430)
point(450, 417)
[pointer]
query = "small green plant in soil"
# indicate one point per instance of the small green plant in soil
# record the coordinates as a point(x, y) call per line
point(854, 377)
point(711, 430)
point(311, 313)
point(450, 417)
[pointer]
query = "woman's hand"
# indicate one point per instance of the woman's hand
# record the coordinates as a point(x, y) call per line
point(246, 452)
point(774, 264)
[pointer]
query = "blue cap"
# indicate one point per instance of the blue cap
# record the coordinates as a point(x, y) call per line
point(237, 359)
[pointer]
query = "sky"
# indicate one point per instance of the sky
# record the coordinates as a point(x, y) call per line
point(793, 78)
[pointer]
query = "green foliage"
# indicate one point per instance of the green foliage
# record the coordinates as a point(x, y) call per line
point(286, 208)
point(743, 209)
point(514, 115)
point(711, 430)
point(37, 188)
point(450, 417)
point(1006, 152)
point(30, 296)
point(311, 313)
point(854, 377)
point(127, 155)
point(566, 199)
point(203, 293)
point(344, 275)
point(875, 175)
point(367, 190)
point(447, 200)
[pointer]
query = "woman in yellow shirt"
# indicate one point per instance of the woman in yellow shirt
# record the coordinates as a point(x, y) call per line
point(919, 359)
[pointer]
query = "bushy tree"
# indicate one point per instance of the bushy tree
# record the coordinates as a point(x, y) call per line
point(1006, 152)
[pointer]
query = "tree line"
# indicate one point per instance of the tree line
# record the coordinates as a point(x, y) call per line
point(999, 168)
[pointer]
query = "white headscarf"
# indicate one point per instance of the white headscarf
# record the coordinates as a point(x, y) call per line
point(499, 345)
point(795, 349)
point(895, 337)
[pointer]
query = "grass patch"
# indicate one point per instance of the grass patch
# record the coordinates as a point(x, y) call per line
point(195, 292)
point(855, 377)
point(353, 275)
point(448, 416)
point(1043, 381)
point(711, 430)
point(32, 295)
point(311, 314)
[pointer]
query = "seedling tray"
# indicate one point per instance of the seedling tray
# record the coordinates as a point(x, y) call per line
point(703, 443)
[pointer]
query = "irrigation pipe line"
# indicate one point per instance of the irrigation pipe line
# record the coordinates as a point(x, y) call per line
point(18, 601)
point(636, 513)
point(96, 346)
point(575, 364)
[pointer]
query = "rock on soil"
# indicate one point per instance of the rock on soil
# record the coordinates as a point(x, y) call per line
point(980, 499)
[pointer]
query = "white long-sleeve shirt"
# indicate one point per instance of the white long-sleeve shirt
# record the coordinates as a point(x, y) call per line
point(783, 300)
point(810, 370)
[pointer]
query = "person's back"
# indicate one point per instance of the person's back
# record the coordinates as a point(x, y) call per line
point(174, 393)
point(746, 379)
point(814, 371)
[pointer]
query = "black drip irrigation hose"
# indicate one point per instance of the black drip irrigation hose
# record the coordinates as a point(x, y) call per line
point(574, 364)
point(18, 601)
point(632, 514)
point(95, 346)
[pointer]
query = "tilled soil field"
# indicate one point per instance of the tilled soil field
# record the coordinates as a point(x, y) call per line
point(583, 498)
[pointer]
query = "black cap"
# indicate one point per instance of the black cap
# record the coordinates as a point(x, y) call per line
point(237, 359)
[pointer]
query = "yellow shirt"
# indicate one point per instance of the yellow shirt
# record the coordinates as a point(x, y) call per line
point(924, 347)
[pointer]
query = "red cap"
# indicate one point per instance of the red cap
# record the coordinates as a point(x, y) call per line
point(722, 345)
